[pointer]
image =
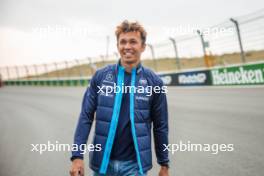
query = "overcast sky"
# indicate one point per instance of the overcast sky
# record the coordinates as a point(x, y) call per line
point(38, 31)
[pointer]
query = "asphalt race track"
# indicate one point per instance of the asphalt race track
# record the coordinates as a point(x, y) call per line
point(36, 115)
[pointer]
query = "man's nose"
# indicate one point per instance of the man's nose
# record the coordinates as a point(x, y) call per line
point(127, 45)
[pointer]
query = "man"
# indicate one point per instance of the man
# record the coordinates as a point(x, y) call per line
point(124, 118)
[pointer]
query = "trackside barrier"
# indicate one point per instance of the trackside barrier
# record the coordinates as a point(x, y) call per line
point(252, 74)
point(75, 82)
point(246, 74)
point(191, 78)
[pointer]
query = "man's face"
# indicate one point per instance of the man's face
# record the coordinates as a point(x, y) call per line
point(130, 47)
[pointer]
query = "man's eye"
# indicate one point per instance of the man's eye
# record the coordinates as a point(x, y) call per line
point(123, 42)
point(133, 42)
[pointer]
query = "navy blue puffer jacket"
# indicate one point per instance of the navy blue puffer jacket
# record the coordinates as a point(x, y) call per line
point(145, 107)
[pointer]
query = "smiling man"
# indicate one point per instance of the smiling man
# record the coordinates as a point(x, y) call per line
point(124, 118)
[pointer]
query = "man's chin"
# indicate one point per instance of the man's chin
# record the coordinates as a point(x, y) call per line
point(129, 60)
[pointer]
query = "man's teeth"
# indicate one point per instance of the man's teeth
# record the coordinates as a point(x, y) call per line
point(128, 53)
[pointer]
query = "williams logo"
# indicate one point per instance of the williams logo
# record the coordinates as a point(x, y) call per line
point(237, 76)
point(143, 82)
point(166, 80)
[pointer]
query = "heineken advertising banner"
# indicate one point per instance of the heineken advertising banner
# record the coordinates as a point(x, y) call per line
point(240, 75)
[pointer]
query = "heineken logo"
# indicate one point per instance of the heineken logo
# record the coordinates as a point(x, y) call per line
point(238, 76)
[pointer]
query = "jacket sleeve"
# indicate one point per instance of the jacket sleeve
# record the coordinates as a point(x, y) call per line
point(159, 114)
point(86, 117)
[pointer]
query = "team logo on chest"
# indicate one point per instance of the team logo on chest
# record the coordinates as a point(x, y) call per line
point(143, 82)
point(109, 77)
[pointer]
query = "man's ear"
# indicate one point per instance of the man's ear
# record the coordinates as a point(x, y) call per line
point(143, 47)
point(117, 45)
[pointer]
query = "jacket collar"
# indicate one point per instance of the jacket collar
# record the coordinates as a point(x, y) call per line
point(139, 66)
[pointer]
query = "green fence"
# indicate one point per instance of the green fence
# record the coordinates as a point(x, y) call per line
point(75, 82)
